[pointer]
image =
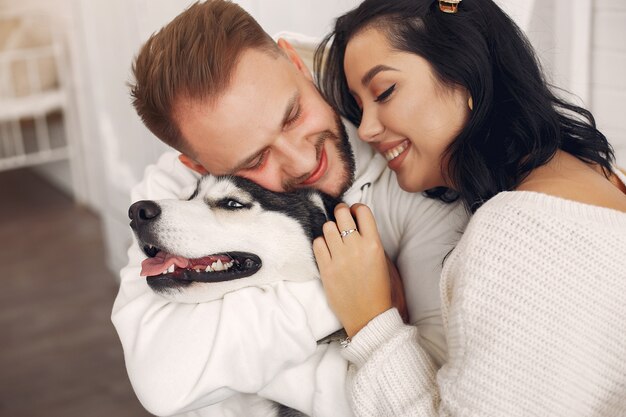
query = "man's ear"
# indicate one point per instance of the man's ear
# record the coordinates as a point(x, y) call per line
point(192, 164)
point(294, 58)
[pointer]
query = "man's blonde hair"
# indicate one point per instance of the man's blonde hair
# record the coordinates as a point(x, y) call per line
point(192, 58)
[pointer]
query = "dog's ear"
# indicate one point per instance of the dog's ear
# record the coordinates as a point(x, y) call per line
point(329, 204)
point(319, 213)
point(317, 221)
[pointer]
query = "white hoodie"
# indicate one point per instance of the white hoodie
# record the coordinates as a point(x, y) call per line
point(202, 359)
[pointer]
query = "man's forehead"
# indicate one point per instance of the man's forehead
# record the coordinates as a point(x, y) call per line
point(245, 117)
point(261, 76)
point(259, 88)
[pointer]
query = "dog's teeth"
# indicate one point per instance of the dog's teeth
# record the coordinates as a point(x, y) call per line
point(171, 268)
point(228, 265)
point(208, 269)
point(218, 266)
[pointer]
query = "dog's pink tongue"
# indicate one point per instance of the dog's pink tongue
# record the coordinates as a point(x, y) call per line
point(160, 263)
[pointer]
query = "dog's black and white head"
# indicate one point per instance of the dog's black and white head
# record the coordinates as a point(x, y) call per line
point(230, 234)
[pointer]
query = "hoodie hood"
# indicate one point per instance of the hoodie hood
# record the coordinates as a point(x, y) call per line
point(369, 166)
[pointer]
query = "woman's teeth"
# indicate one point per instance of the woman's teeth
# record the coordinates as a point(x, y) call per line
point(394, 152)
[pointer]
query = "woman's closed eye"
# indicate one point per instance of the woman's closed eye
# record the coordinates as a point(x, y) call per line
point(382, 97)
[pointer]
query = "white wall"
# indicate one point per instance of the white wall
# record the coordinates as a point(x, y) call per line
point(608, 72)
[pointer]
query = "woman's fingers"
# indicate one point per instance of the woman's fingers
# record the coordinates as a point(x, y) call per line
point(331, 235)
point(345, 222)
point(343, 226)
point(320, 250)
point(351, 223)
point(364, 220)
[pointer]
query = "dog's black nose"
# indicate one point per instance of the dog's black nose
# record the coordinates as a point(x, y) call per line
point(143, 212)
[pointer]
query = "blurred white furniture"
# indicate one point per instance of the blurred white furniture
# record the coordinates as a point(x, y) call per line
point(33, 93)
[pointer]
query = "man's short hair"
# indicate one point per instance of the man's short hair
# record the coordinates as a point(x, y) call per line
point(192, 58)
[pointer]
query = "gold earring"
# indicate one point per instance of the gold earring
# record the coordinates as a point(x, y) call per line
point(470, 103)
point(449, 6)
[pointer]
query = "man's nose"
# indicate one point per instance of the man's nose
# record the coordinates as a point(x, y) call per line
point(142, 213)
point(370, 126)
point(298, 155)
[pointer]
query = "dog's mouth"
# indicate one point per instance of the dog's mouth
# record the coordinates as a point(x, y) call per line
point(218, 267)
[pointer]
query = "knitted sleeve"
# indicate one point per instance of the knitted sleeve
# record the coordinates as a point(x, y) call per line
point(390, 373)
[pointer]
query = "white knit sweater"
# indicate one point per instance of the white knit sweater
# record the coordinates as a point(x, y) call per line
point(534, 302)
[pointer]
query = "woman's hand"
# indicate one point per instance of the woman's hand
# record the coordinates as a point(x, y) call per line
point(398, 299)
point(353, 268)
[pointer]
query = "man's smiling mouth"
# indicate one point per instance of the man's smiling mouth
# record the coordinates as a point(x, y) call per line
point(319, 171)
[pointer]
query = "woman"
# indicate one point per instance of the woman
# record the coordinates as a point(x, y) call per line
point(533, 294)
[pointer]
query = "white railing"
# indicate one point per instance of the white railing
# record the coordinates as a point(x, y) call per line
point(32, 100)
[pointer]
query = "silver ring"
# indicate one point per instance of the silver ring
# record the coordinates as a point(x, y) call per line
point(345, 233)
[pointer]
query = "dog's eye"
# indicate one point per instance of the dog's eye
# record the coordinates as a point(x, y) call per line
point(230, 204)
point(234, 204)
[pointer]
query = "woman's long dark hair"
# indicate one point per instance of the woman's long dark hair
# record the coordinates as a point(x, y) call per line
point(517, 123)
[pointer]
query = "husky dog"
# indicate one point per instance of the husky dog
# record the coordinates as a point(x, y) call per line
point(230, 234)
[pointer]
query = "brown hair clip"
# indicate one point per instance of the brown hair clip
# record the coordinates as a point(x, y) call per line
point(449, 6)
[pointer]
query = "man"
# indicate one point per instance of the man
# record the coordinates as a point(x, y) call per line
point(215, 86)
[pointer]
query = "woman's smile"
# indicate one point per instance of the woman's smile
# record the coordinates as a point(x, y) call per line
point(394, 152)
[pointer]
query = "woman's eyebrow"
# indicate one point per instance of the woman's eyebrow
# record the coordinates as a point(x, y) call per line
point(373, 71)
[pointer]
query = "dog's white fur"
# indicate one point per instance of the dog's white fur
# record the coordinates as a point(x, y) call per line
point(197, 228)
point(201, 226)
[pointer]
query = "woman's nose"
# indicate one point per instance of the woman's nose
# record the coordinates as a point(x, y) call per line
point(370, 126)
